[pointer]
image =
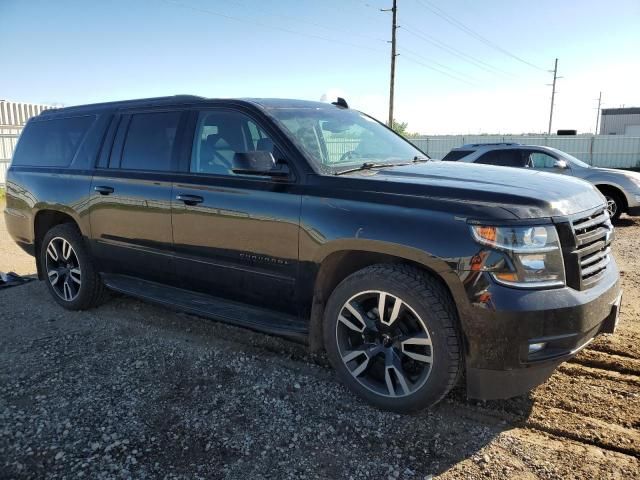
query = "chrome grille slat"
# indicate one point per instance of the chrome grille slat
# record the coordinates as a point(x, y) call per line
point(593, 235)
point(586, 261)
point(601, 265)
point(592, 246)
point(590, 222)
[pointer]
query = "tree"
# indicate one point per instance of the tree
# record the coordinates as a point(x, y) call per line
point(401, 129)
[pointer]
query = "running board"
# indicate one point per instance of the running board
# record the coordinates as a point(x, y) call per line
point(235, 313)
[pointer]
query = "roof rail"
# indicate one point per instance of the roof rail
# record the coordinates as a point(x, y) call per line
point(124, 103)
point(489, 144)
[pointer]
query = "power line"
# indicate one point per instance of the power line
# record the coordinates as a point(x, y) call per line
point(454, 73)
point(444, 46)
point(453, 51)
point(435, 69)
point(266, 25)
point(303, 20)
point(461, 26)
point(304, 34)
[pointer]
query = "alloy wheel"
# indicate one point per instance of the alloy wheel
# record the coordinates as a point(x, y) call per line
point(612, 206)
point(384, 343)
point(63, 269)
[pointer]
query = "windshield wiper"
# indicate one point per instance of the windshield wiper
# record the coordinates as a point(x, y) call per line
point(370, 166)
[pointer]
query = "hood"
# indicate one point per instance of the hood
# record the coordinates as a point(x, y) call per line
point(522, 192)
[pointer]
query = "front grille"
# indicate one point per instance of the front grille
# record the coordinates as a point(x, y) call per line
point(593, 235)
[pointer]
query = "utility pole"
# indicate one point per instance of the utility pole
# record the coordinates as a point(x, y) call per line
point(553, 93)
point(598, 113)
point(394, 27)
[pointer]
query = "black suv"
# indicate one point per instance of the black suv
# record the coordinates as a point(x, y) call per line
point(316, 222)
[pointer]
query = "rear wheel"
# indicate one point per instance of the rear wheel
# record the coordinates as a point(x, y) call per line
point(69, 271)
point(390, 334)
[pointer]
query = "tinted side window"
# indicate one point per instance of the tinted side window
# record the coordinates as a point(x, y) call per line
point(150, 141)
point(504, 158)
point(455, 155)
point(220, 134)
point(51, 143)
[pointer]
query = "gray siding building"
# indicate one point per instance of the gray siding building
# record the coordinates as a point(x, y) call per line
point(620, 121)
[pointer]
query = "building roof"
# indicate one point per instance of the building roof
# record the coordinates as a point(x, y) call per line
point(621, 111)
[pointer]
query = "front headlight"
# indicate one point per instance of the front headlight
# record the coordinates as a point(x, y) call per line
point(533, 257)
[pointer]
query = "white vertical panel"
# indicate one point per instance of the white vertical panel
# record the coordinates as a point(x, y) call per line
point(613, 151)
point(17, 114)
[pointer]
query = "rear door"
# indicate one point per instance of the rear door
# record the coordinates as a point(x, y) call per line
point(131, 191)
point(235, 236)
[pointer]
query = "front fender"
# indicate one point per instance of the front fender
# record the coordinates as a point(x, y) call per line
point(435, 240)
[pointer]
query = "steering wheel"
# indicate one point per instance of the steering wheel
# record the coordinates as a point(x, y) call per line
point(349, 155)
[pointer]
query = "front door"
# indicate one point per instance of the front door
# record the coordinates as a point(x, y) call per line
point(131, 191)
point(547, 163)
point(235, 236)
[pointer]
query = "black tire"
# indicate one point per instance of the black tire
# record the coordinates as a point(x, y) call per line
point(615, 204)
point(420, 295)
point(90, 291)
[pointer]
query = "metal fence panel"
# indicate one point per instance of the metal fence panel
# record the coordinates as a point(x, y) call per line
point(8, 140)
point(613, 151)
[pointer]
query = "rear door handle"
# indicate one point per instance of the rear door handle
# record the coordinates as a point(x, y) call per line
point(189, 199)
point(103, 190)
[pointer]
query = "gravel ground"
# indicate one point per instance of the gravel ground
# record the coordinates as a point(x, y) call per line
point(132, 390)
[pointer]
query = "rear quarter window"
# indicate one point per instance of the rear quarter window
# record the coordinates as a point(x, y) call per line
point(455, 155)
point(51, 143)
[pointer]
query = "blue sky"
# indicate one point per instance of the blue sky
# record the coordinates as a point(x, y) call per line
point(70, 52)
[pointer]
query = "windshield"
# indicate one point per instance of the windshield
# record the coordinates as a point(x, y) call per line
point(570, 158)
point(336, 139)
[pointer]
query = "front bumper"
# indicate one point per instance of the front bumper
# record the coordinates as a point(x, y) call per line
point(504, 322)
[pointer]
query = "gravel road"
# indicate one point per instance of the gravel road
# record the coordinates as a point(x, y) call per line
point(132, 390)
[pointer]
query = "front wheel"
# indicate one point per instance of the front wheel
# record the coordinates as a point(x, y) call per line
point(390, 333)
point(614, 205)
point(68, 268)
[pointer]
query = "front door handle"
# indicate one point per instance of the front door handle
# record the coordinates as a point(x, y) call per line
point(189, 199)
point(103, 190)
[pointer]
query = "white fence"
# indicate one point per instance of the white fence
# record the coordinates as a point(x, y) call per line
point(614, 151)
point(8, 140)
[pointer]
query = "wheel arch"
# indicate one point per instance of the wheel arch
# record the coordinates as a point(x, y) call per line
point(616, 190)
point(339, 263)
point(43, 221)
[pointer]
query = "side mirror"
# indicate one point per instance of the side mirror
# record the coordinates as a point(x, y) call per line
point(561, 164)
point(258, 162)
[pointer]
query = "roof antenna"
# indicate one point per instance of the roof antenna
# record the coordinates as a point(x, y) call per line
point(341, 102)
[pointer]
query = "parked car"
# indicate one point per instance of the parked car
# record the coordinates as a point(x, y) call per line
point(621, 188)
point(318, 223)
